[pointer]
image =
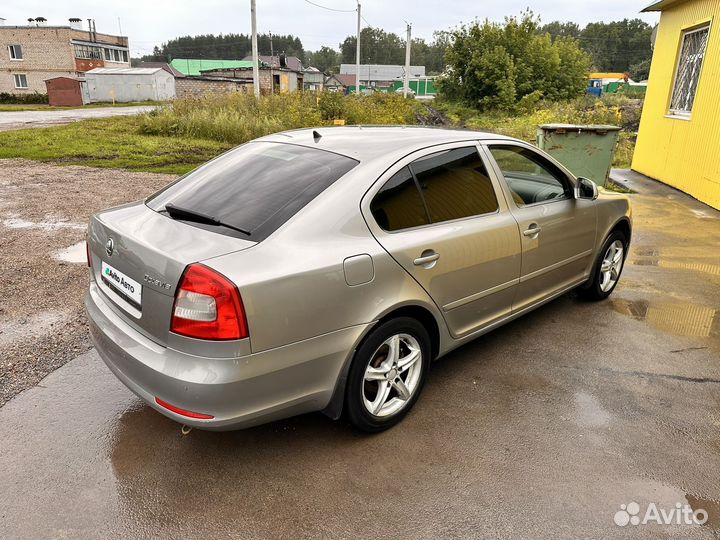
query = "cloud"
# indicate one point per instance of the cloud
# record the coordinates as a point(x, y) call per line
point(150, 23)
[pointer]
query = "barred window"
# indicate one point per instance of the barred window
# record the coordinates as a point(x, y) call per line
point(687, 75)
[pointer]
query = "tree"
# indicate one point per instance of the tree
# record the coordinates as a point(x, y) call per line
point(498, 65)
point(326, 59)
point(640, 71)
point(426, 54)
point(617, 45)
point(376, 47)
point(225, 47)
point(558, 29)
point(571, 78)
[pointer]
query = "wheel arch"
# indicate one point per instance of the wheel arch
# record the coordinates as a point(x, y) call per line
point(623, 225)
point(414, 311)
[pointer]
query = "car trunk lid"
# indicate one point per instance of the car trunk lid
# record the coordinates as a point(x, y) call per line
point(139, 256)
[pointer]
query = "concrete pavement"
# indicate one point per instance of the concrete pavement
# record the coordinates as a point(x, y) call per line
point(10, 120)
point(544, 427)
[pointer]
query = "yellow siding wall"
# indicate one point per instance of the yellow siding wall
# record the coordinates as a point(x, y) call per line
point(683, 153)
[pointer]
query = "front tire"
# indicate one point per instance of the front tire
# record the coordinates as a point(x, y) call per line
point(607, 268)
point(387, 374)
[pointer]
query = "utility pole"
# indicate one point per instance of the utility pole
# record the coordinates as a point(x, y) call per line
point(256, 69)
point(357, 54)
point(406, 82)
point(272, 66)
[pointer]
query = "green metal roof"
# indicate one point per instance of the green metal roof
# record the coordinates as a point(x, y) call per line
point(191, 66)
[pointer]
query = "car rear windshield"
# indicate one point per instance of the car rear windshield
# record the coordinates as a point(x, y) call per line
point(254, 188)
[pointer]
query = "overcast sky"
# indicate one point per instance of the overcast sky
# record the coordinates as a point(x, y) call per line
point(150, 22)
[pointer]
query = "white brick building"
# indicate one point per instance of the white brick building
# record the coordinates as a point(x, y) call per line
point(33, 53)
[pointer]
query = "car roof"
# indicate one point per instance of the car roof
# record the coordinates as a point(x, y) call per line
point(367, 142)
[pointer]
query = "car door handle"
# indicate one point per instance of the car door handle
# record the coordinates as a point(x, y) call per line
point(532, 231)
point(428, 257)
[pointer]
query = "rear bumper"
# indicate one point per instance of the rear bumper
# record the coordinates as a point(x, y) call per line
point(237, 392)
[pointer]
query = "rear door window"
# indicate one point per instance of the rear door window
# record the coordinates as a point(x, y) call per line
point(398, 205)
point(455, 184)
point(256, 187)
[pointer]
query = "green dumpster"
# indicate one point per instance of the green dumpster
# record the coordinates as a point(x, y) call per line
point(585, 150)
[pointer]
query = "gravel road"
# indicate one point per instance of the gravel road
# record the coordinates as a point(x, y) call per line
point(44, 210)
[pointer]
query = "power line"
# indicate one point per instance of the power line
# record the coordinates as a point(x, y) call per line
point(331, 9)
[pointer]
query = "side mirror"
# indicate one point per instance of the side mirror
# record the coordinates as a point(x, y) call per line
point(586, 189)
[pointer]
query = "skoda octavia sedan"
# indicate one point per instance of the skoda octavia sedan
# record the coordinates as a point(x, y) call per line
point(323, 270)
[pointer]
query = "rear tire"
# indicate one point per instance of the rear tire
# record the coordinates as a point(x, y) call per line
point(607, 268)
point(387, 374)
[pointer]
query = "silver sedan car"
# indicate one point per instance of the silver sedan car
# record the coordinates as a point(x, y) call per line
point(323, 270)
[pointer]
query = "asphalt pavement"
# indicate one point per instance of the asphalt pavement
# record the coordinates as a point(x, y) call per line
point(551, 426)
point(10, 120)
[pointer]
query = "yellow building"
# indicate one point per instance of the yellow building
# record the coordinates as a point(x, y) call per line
point(679, 138)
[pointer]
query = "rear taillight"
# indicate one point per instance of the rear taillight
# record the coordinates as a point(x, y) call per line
point(208, 306)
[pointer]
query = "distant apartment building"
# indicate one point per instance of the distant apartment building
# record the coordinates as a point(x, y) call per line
point(32, 53)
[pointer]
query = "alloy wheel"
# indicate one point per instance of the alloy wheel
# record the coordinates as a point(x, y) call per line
point(392, 376)
point(611, 265)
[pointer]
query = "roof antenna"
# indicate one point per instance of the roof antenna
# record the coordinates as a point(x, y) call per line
point(316, 136)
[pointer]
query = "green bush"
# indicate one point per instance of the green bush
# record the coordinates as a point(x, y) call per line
point(238, 118)
point(513, 64)
point(23, 99)
point(611, 109)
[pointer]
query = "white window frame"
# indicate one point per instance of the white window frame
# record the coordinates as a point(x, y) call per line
point(89, 52)
point(12, 51)
point(15, 80)
point(684, 113)
point(116, 55)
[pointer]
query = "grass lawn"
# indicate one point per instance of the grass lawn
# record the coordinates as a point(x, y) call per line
point(10, 107)
point(110, 142)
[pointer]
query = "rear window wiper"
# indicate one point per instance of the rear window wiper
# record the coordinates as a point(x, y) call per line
point(198, 217)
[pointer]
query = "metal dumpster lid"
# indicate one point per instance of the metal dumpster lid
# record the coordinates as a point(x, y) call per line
point(579, 127)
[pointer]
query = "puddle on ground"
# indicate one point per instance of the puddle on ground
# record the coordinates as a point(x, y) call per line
point(676, 261)
point(704, 214)
point(678, 319)
point(704, 268)
point(73, 254)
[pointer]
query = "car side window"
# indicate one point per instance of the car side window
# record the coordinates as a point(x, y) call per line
point(455, 184)
point(530, 177)
point(398, 205)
